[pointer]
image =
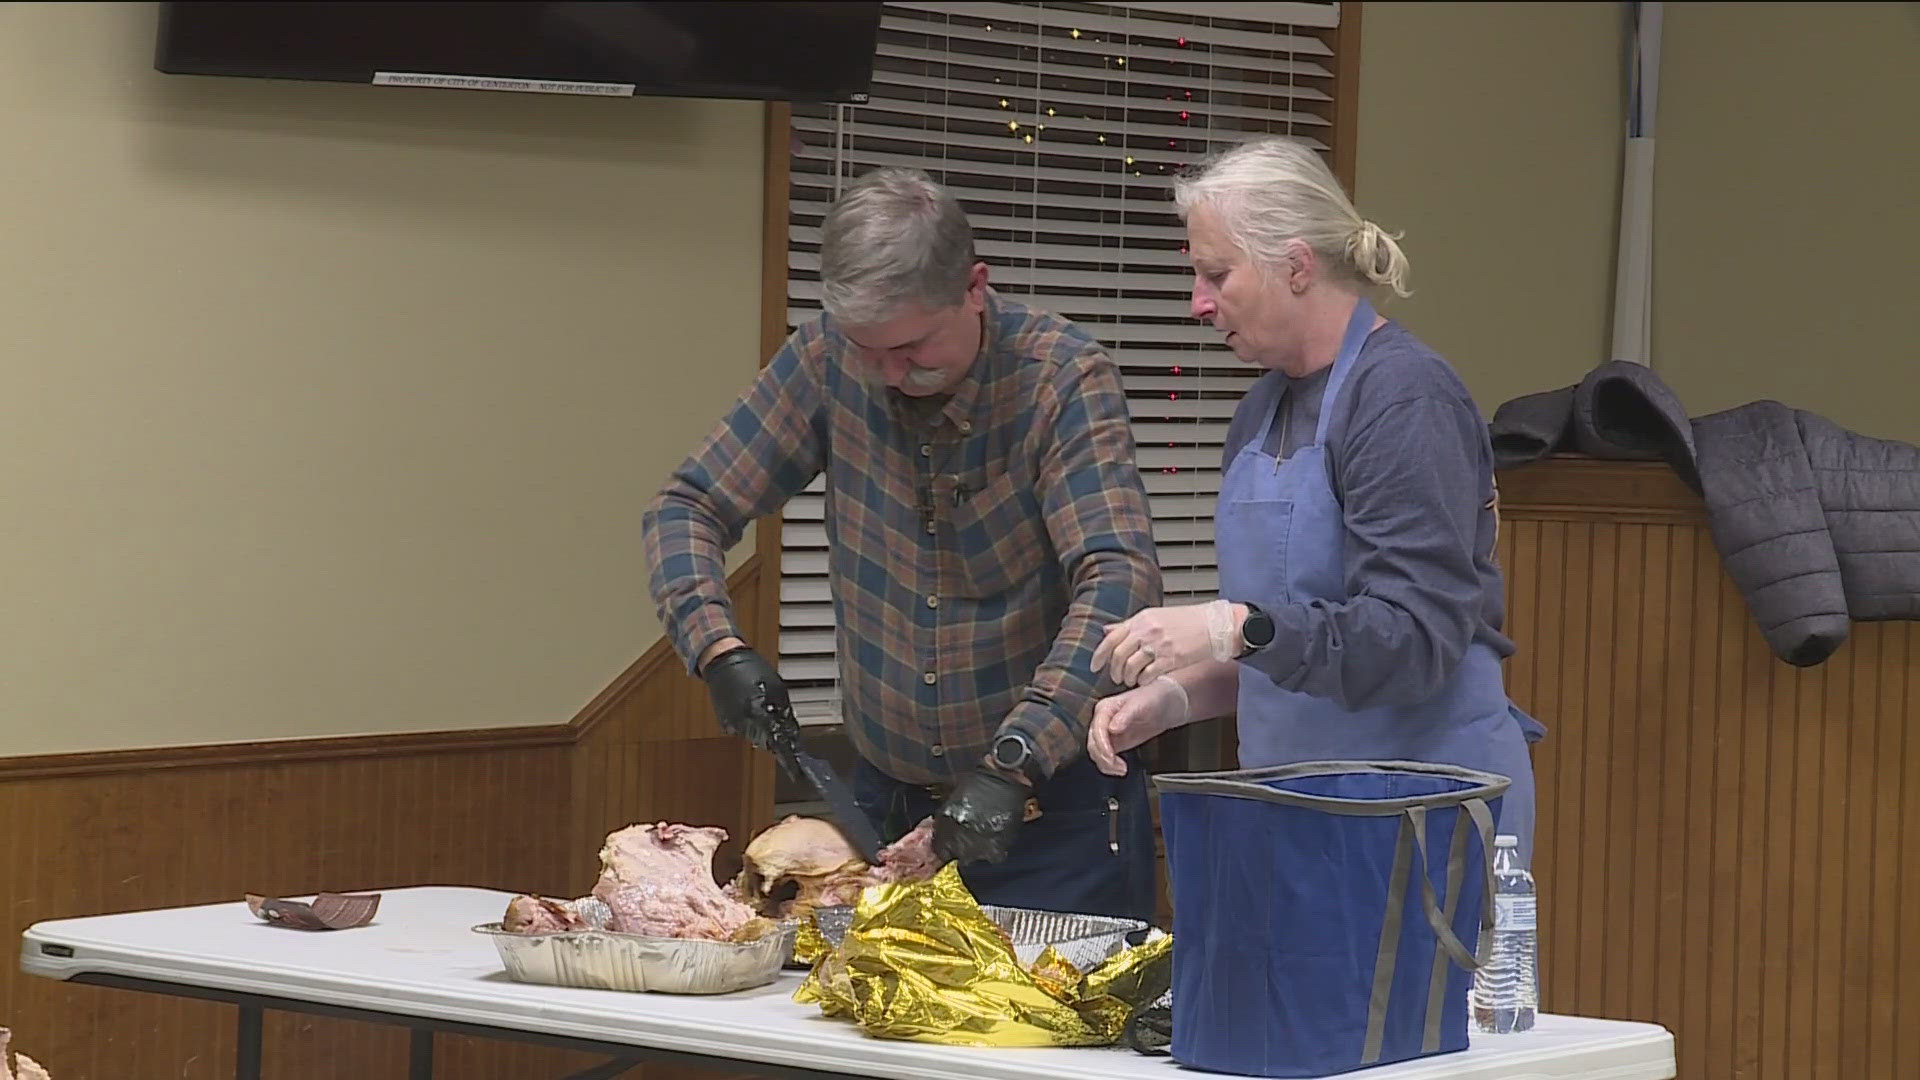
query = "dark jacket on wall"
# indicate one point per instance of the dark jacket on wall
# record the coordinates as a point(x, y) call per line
point(1816, 525)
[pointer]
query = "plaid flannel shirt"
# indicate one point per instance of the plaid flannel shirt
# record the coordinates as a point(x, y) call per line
point(975, 550)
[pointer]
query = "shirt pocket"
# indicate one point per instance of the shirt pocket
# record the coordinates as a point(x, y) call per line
point(995, 538)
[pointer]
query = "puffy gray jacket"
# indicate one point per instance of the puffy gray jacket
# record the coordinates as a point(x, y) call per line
point(1817, 525)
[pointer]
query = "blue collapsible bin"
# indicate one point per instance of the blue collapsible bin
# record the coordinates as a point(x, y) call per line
point(1326, 915)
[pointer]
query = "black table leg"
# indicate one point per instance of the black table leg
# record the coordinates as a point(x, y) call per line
point(246, 1056)
point(420, 1058)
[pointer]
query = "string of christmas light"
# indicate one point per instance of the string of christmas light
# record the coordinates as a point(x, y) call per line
point(1018, 130)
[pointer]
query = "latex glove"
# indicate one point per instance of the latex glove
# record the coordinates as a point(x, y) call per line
point(1132, 719)
point(979, 820)
point(748, 696)
point(1160, 640)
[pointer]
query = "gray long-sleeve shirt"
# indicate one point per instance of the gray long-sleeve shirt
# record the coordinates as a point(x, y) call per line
point(1411, 465)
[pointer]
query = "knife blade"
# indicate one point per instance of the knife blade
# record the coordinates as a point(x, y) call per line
point(852, 821)
point(844, 808)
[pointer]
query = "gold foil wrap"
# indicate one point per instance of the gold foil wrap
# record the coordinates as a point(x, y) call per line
point(809, 944)
point(922, 962)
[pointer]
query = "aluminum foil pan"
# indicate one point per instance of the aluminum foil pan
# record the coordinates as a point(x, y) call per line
point(833, 922)
point(605, 960)
point(1086, 941)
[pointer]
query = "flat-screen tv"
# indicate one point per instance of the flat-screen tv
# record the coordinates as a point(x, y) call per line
point(791, 51)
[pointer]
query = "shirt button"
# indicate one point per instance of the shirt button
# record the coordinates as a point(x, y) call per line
point(931, 527)
point(926, 450)
point(966, 426)
point(938, 750)
point(928, 678)
point(933, 601)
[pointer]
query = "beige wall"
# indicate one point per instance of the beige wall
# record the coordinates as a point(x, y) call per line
point(1785, 219)
point(331, 409)
point(1787, 212)
point(1490, 135)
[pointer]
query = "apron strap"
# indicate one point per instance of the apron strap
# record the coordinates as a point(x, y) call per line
point(1359, 325)
point(1259, 440)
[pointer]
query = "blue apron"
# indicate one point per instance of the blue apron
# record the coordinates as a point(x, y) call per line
point(1281, 539)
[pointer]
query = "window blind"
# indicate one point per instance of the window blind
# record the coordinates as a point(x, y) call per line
point(1059, 127)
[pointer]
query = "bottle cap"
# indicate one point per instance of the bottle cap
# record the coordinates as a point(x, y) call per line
point(1503, 840)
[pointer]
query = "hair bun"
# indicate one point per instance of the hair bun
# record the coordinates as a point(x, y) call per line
point(1376, 255)
point(1366, 248)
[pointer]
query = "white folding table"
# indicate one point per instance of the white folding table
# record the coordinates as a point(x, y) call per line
point(419, 965)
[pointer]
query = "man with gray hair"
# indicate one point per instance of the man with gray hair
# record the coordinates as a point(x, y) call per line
point(984, 521)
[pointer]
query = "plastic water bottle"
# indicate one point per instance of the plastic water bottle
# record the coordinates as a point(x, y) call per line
point(1505, 992)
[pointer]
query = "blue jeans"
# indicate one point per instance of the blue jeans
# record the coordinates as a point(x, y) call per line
point(1090, 851)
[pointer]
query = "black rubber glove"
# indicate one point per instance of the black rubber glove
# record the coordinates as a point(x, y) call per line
point(978, 821)
point(748, 696)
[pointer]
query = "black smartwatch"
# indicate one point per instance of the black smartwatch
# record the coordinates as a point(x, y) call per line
point(1014, 753)
point(1256, 632)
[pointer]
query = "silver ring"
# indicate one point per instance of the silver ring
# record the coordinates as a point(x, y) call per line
point(1151, 655)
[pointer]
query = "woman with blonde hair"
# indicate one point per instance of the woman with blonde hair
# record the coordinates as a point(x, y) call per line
point(1360, 605)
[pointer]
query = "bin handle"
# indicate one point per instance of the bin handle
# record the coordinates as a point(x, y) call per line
point(1440, 921)
point(1412, 836)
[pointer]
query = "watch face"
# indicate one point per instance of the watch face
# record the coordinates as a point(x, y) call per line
point(1010, 752)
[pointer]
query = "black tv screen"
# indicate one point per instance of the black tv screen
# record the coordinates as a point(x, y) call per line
point(795, 51)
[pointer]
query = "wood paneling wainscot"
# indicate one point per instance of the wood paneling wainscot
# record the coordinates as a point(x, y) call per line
point(521, 809)
point(1726, 842)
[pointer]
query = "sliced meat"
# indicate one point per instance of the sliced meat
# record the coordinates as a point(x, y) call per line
point(657, 880)
point(805, 863)
point(539, 915)
point(911, 857)
point(798, 865)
